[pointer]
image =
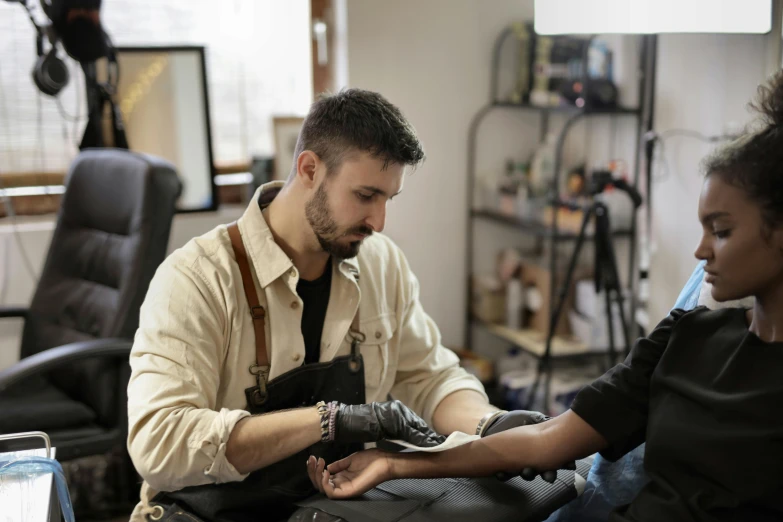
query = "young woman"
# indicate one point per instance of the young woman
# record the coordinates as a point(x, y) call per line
point(704, 390)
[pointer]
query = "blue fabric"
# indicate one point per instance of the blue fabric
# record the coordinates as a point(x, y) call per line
point(613, 484)
point(689, 297)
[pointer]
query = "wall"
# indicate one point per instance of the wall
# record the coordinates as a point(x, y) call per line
point(17, 284)
point(704, 83)
point(432, 60)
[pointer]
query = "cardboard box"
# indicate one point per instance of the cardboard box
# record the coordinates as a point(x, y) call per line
point(488, 299)
point(538, 301)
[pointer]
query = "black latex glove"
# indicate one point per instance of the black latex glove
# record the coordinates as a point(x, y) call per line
point(383, 420)
point(514, 419)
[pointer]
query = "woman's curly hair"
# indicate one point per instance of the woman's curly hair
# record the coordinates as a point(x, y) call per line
point(754, 162)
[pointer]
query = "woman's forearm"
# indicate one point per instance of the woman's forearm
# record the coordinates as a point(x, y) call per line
point(543, 446)
point(480, 458)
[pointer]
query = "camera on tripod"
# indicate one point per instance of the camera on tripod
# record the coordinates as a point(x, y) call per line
point(601, 180)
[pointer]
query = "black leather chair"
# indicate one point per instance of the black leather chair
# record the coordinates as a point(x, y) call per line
point(112, 233)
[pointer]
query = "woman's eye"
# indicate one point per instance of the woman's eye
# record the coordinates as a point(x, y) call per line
point(364, 197)
point(722, 234)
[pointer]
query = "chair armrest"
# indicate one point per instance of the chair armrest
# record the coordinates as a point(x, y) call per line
point(8, 311)
point(50, 359)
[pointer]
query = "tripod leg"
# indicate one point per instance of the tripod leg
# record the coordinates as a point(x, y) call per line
point(610, 327)
point(544, 364)
point(569, 276)
point(611, 280)
point(623, 321)
point(531, 393)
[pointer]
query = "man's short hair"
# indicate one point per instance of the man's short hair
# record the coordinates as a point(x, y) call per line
point(356, 120)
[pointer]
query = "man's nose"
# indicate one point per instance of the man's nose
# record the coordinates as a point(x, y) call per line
point(377, 220)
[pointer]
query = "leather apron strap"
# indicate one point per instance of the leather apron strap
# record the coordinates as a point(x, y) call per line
point(257, 312)
point(261, 368)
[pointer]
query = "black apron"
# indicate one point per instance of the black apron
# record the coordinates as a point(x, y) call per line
point(269, 494)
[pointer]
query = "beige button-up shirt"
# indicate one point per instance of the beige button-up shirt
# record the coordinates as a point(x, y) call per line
point(195, 343)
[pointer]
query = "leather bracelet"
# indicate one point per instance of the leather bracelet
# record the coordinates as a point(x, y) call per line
point(323, 411)
point(486, 420)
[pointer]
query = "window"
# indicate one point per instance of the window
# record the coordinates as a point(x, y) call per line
point(258, 66)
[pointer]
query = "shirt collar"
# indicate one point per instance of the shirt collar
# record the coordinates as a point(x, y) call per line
point(268, 259)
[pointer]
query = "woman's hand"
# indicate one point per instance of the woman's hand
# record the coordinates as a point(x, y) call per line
point(351, 476)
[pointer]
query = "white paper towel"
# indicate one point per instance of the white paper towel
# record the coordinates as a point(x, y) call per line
point(454, 440)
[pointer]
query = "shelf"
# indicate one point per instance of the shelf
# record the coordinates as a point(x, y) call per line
point(534, 227)
point(534, 342)
point(567, 108)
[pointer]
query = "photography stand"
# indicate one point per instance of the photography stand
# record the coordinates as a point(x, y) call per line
point(606, 278)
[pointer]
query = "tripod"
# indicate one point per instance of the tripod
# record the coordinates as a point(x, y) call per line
point(606, 278)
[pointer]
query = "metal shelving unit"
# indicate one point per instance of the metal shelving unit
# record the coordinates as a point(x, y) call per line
point(532, 226)
point(548, 347)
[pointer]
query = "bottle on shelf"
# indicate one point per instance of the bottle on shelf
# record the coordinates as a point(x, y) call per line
point(542, 166)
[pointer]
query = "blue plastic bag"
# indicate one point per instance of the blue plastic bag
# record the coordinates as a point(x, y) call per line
point(37, 466)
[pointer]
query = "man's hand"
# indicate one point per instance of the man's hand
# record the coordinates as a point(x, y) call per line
point(383, 421)
point(515, 419)
point(351, 476)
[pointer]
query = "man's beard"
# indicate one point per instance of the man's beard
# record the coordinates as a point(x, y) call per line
point(325, 228)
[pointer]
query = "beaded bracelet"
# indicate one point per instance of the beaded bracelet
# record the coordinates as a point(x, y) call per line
point(323, 411)
point(334, 407)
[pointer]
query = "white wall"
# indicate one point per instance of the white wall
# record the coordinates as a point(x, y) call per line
point(17, 284)
point(704, 84)
point(432, 59)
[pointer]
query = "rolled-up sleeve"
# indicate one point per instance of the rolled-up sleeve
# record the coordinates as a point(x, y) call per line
point(616, 405)
point(176, 436)
point(427, 371)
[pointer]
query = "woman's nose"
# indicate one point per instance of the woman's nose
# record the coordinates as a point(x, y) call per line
point(703, 250)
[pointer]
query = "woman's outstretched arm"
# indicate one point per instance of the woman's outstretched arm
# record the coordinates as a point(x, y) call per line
point(543, 446)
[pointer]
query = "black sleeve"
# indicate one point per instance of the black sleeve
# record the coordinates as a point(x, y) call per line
point(616, 404)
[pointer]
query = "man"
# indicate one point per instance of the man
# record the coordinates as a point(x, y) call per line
point(302, 301)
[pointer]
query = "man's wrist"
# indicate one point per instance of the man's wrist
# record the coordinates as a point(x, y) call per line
point(487, 420)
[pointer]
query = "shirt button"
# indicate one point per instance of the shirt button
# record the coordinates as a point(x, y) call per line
point(292, 273)
point(296, 357)
point(206, 470)
point(294, 305)
point(377, 335)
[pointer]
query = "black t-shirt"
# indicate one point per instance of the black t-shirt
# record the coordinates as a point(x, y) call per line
point(706, 395)
point(315, 299)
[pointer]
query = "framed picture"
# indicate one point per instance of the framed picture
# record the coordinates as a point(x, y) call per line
point(286, 129)
point(164, 99)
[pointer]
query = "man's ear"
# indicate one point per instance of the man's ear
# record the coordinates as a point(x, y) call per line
point(306, 167)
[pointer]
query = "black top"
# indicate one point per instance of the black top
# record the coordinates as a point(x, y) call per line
point(706, 395)
point(315, 298)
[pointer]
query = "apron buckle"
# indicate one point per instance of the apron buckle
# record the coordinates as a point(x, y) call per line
point(355, 364)
point(260, 394)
